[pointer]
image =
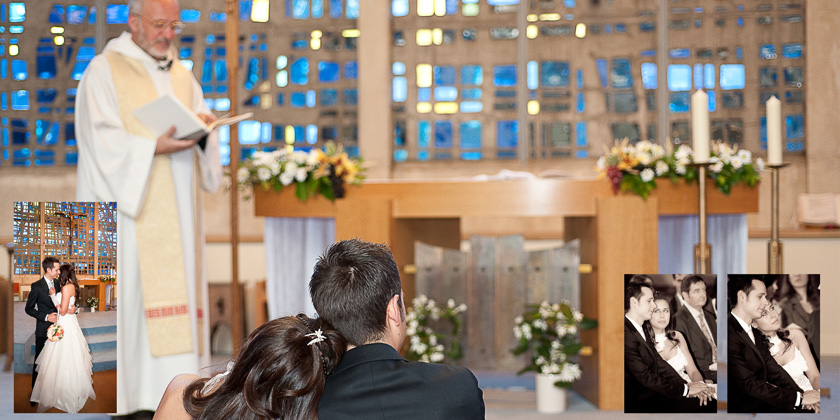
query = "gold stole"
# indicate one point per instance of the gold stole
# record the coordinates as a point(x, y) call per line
point(160, 255)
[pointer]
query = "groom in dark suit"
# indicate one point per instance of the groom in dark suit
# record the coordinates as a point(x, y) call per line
point(757, 384)
point(699, 327)
point(40, 306)
point(356, 288)
point(651, 385)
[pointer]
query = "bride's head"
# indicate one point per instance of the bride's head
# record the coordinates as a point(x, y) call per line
point(661, 318)
point(67, 274)
point(769, 322)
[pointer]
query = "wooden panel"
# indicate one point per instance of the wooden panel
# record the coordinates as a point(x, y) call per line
point(510, 296)
point(368, 220)
point(481, 287)
point(283, 203)
point(627, 235)
point(680, 198)
point(539, 276)
point(564, 262)
point(439, 232)
point(429, 280)
point(455, 267)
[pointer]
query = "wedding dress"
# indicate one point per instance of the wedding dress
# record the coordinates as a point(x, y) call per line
point(678, 361)
point(64, 368)
point(796, 367)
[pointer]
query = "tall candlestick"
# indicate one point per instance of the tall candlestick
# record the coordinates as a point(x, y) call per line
point(700, 126)
point(774, 131)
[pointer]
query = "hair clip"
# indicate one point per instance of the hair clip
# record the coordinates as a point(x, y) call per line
point(318, 337)
point(210, 384)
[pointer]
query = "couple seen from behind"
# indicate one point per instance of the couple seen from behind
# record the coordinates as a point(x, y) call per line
point(343, 365)
point(63, 369)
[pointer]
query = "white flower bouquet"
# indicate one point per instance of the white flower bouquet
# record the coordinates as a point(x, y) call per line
point(425, 343)
point(55, 332)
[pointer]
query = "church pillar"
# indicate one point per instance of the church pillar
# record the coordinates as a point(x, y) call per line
point(374, 57)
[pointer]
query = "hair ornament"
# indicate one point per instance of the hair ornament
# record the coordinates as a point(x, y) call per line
point(318, 336)
point(216, 379)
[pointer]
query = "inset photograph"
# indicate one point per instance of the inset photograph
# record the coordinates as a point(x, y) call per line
point(64, 303)
point(773, 352)
point(670, 344)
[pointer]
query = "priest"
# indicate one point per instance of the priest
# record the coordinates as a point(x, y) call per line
point(154, 179)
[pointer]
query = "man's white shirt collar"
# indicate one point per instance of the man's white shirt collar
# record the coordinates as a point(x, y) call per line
point(637, 326)
point(745, 326)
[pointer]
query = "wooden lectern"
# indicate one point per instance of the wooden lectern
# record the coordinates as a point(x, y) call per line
point(618, 234)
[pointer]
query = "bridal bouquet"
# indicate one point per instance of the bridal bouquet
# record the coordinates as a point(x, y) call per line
point(550, 332)
point(635, 167)
point(426, 344)
point(55, 332)
point(318, 171)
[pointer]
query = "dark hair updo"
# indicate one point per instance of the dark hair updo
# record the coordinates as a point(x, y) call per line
point(67, 274)
point(277, 374)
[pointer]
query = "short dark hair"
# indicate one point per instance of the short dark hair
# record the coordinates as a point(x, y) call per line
point(686, 283)
point(739, 283)
point(634, 290)
point(641, 278)
point(276, 374)
point(351, 286)
point(49, 262)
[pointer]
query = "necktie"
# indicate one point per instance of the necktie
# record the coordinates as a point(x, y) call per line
point(709, 338)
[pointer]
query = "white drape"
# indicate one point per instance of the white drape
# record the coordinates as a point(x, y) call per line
point(292, 246)
point(727, 234)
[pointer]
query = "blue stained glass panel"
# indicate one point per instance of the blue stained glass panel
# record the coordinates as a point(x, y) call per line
point(92, 15)
point(400, 89)
point(620, 75)
point(792, 50)
point(794, 146)
point(532, 76)
point(569, 3)
point(504, 76)
point(424, 134)
point(70, 134)
point(190, 16)
point(446, 93)
point(767, 51)
point(310, 99)
point(680, 53)
point(472, 93)
point(250, 132)
point(328, 71)
point(424, 94)
point(470, 135)
point(351, 96)
point(793, 127)
point(222, 104)
point(472, 75)
point(17, 12)
point(554, 73)
point(601, 66)
point(46, 66)
point(317, 9)
point(739, 53)
point(709, 76)
point(20, 100)
point(502, 2)
point(580, 134)
point(680, 102)
point(471, 107)
point(116, 14)
point(351, 70)
point(300, 9)
point(443, 134)
point(300, 71)
point(732, 76)
point(218, 17)
point(400, 155)
point(507, 134)
point(444, 75)
point(352, 11)
point(220, 70)
point(46, 96)
point(329, 97)
point(56, 14)
point(698, 76)
point(298, 100)
point(679, 77)
point(580, 103)
point(712, 101)
point(85, 53)
point(311, 133)
point(71, 158)
point(579, 79)
point(398, 68)
point(649, 76)
point(399, 8)
point(245, 10)
point(76, 14)
point(336, 8)
point(19, 70)
point(648, 53)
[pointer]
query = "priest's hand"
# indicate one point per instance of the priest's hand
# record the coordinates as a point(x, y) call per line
point(167, 144)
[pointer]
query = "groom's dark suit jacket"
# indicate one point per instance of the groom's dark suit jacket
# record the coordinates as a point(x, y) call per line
point(757, 384)
point(699, 347)
point(651, 385)
point(375, 382)
point(39, 305)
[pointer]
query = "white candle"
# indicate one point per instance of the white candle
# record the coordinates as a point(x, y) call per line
point(774, 131)
point(700, 126)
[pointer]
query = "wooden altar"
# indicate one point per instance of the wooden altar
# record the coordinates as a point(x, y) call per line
point(618, 234)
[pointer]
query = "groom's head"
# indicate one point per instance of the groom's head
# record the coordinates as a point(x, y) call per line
point(747, 296)
point(638, 301)
point(356, 288)
point(50, 266)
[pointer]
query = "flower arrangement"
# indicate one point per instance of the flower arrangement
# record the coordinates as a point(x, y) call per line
point(550, 332)
point(318, 171)
point(426, 344)
point(635, 167)
point(55, 332)
point(92, 302)
point(107, 279)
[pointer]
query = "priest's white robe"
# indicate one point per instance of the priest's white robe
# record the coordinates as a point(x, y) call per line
point(115, 166)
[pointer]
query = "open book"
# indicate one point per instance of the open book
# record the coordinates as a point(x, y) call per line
point(166, 111)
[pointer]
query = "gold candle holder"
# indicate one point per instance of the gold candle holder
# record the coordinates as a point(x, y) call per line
point(774, 245)
point(702, 250)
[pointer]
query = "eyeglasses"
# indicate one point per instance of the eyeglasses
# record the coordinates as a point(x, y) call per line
point(159, 25)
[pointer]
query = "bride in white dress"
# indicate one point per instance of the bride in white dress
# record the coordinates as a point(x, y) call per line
point(65, 367)
point(671, 344)
point(790, 350)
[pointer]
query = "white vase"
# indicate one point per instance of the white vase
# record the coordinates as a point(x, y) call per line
point(550, 399)
point(92, 309)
